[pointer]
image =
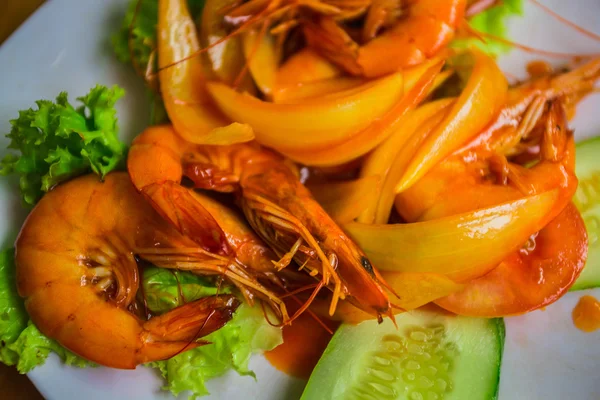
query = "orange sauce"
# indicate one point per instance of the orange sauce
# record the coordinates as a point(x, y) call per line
point(538, 68)
point(586, 314)
point(303, 344)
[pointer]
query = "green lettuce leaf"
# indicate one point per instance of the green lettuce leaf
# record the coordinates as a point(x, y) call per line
point(57, 141)
point(231, 346)
point(166, 289)
point(13, 317)
point(492, 21)
point(21, 343)
point(33, 347)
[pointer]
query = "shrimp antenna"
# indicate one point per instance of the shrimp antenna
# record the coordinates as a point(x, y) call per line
point(480, 6)
point(144, 299)
point(284, 323)
point(566, 21)
point(266, 316)
point(208, 317)
point(306, 304)
point(148, 75)
point(314, 316)
point(263, 14)
point(470, 30)
point(386, 285)
point(136, 11)
point(179, 288)
point(256, 45)
point(529, 48)
point(300, 290)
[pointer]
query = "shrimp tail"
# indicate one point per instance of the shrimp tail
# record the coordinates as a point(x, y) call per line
point(178, 330)
point(193, 320)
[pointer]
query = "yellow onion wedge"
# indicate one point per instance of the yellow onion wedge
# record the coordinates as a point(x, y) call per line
point(366, 140)
point(480, 101)
point(461, 247)
point(388, 190)
point(303, 67)
point(339, 86)
point(225, 60)
point(382, 161)
point(344, 201)
point(262, 59)
point(182, 83)
point(325, 87)
point(417, 289)
point(314, 125)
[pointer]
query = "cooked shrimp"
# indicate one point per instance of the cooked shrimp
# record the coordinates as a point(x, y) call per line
point(278, 207)
point(529, 153)
point(557, 253)
point(485, 178)
point(520, 133)
point(77, 271)
point(419, 33)
point(396, 34)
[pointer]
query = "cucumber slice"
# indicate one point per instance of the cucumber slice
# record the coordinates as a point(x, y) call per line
point(429, 356)
point(587, 200)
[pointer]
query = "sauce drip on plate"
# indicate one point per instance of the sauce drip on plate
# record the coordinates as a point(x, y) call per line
point(586, 314)
point(538, 68)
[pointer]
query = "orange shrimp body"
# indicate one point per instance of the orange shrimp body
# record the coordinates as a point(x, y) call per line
point(528, 149)
point(395, 34)
point(156, 169)
point(545, 267)
point(531, 127)
point(278, 207)
point(78, 274)
point(423, 29)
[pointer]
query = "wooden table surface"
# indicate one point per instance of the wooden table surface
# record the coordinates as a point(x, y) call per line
point(12, 384)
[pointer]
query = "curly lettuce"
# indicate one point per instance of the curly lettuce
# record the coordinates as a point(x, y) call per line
point(57, 142)
point(231, 346)
point(492, 21)
point(21, 343)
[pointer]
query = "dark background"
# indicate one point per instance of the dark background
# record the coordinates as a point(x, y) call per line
point(12, 384)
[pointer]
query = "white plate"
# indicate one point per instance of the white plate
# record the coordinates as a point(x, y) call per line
point(64, 46)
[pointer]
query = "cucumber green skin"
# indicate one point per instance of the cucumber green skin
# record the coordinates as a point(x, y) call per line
point(339, 369)
point(588, 163)
point(500, 333)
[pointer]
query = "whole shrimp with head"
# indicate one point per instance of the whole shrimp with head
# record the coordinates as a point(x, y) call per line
point(526, 150)
point(395, 34)
point(77, 271)
point(276, 204)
